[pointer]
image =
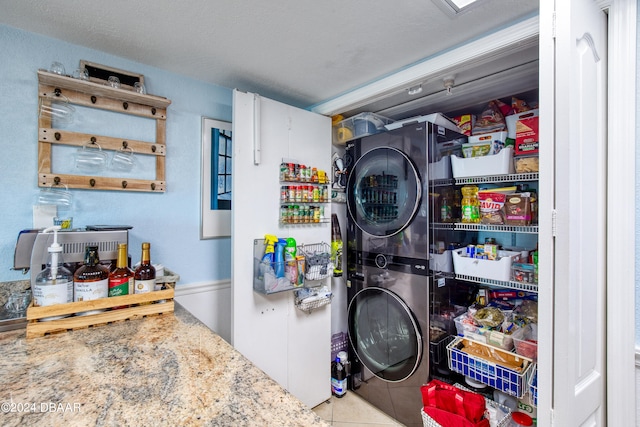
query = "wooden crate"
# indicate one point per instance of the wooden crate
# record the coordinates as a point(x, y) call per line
point(140, 305)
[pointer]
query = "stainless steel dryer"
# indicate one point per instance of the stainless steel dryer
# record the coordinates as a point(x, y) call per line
point(388, 188)
point(388, 326)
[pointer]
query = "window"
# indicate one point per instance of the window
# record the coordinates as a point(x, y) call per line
point(216, 179)
point(221, 167)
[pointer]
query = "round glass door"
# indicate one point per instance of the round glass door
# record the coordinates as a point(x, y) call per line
point(384, 334)
point(384, 192)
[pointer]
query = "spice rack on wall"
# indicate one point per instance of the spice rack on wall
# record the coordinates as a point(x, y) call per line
point(95, 95)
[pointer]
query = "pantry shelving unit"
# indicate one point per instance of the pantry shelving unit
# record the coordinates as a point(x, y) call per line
point(518, 383)
point(54, 88)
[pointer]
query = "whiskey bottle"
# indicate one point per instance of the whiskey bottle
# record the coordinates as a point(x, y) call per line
point(145, 274)
point(91, 280)
point(121, 278)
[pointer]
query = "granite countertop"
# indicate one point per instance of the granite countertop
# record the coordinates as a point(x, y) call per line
point(162, 370)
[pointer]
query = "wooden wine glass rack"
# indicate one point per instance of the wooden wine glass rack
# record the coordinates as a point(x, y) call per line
point(95, 95)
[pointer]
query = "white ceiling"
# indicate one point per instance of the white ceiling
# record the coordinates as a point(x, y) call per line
point(301, 52)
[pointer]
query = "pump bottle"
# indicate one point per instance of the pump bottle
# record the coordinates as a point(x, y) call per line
point(54, 284)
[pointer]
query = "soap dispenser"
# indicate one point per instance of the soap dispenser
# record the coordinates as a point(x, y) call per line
point(54, 284)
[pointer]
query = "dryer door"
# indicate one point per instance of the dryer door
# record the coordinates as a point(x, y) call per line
point(384, 192)
point(384, 334)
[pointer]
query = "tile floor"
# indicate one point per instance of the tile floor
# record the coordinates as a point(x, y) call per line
point(353, 411)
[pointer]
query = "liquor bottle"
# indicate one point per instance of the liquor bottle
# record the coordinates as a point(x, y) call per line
point(145, 274)
point(91, 280)
point(445, 210)
point(121, 278)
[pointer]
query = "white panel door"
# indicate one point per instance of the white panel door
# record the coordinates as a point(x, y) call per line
point(291, 346)
point(258, 322)
point(579, 352)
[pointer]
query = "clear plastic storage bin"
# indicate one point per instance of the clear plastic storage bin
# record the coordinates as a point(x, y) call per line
point(360, 125)
point(526, 341)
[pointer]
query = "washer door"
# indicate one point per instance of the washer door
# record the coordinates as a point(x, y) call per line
point(384, 334)
point(384, 192)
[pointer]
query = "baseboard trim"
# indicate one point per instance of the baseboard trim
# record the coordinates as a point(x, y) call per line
point(201, 287)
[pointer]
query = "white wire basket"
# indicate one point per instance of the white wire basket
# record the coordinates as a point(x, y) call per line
point(317, 260)
point(312, 304)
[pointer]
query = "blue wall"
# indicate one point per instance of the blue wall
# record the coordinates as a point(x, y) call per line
point(170, 220)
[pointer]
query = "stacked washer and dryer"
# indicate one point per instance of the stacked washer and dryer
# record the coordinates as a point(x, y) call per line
point(388, 240)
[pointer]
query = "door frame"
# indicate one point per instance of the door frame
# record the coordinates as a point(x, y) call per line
point(621, 177)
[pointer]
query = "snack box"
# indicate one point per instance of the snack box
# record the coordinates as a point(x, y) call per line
point(527, 136)
point(517, 209)
point(465, 122)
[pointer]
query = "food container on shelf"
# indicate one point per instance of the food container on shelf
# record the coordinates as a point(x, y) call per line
point(512, 119)
point(438, 119)
point(441, 262)
point(498, 339)
point(496, 164)
point(483, 268)
point(527, 163)
point(465, 325)
point(495, 141)
point(440, 169)
point(523, 273)
point(526, 341)
point(360, 125)
point(445, 320)
point(497, 368)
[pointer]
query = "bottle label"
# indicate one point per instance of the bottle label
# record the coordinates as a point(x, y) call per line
point(445, 212)
point(86, 291)
point(50, 294)
point(119, 286)
point(144, 286)
point(339, 387)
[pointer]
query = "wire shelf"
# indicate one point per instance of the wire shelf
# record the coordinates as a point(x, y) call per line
point(498, 178)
